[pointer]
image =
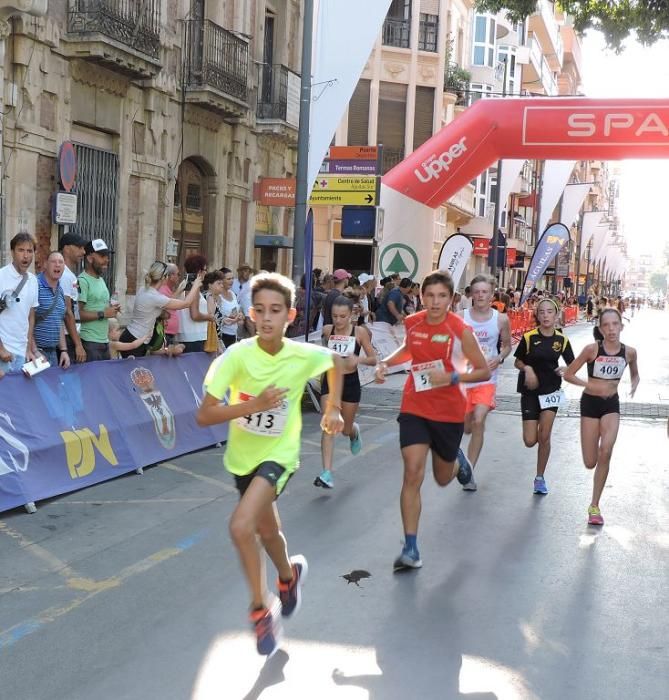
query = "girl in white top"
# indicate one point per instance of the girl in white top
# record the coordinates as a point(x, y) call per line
point(230, 311)
point(193, 320)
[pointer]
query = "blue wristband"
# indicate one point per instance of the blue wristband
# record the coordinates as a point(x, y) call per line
point(455, 378)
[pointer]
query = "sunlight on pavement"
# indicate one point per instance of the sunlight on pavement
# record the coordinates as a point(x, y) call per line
point(534, 640)
point(479, 675)
point(622, 535)
point(233, 670)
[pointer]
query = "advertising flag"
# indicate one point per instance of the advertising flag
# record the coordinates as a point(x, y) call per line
point(454, 255)
point(548, 246)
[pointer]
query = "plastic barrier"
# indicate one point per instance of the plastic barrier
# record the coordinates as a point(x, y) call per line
point(67, 429)
point(570, 315)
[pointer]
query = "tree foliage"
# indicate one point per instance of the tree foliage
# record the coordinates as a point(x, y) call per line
point(658, 282)
point(648, 20)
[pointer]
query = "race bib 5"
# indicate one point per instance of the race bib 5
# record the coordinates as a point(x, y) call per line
point(421, 376)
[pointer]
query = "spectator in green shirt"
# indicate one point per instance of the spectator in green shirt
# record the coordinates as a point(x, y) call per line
point(94, 307)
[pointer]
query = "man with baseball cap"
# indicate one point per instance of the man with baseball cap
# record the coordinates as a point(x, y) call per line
point(368, 300)
point(71, 247)
point(94, 307)
point(341, 278)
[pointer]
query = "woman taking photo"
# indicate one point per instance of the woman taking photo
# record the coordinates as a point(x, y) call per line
point(600, 405)
point(194, 318)
point(539, 382)
point(149, 304)
point(229, 311)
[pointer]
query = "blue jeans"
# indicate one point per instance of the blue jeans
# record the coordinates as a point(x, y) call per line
point(13, 366)
point(51, 356)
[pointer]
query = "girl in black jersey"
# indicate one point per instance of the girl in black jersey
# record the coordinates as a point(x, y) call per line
point(600, 407)
point(344, 338)
point(539, 383)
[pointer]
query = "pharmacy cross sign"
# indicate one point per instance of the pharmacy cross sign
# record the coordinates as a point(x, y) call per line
point(398, 258)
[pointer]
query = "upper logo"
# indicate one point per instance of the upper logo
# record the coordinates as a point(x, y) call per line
point(435, 165)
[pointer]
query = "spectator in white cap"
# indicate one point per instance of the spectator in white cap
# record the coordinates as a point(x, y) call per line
point(243, 282)
point(341, 278)
point(94, 307)
point(368, 298)
point(72, 248)
point(18, 301)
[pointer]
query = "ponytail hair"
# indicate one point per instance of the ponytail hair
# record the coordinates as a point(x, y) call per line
point(156, 273)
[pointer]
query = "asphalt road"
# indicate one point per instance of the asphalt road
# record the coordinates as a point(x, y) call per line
point(131, 589)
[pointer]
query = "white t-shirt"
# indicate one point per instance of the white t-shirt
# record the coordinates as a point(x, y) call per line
point(193, 331)
point(228, 307)
point(14, 319)
point(149, 303)
point(70, 286)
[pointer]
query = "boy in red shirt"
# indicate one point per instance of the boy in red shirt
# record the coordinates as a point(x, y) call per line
point(439, 345)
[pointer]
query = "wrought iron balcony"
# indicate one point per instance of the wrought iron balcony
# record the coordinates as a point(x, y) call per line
point(278, 95)
point(390, 157)
point(216, 67)
point(123, 34)
point(396, 32)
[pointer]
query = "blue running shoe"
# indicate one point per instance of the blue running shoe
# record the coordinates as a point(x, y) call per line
point(408, 559)
point(290, 594)
point(324, 479)
point(464, 468)
point(356, 442)
point(540, 485)
point(267, 628)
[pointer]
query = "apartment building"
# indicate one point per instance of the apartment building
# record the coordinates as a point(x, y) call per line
point(175, 109)
point(401, 100)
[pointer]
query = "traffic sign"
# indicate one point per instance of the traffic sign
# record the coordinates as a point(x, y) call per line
point(352, 153)
point(335, 198)
point(67, 165)
point(349, 167)
point(345, 183)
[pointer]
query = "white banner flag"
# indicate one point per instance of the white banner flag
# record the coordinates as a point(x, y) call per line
point(344, 35)
point(591, 221)
point(555, 178)
point(454, 256)
point(571, 202)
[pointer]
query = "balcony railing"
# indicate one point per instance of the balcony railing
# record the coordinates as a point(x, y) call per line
point(390, 157)
point(135, 23)
point(216, 58)
point(396, 32)
point(278, 94)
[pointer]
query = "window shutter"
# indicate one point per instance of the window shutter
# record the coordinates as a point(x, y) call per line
point(423, 118)
point(392, 114)
point(358, 115)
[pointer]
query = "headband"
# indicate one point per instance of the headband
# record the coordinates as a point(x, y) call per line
point(552, 301)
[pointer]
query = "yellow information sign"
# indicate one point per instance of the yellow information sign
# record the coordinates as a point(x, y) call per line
point(345, 183)
point(325, 198)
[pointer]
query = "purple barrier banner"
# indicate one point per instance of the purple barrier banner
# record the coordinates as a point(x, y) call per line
point(63, 430)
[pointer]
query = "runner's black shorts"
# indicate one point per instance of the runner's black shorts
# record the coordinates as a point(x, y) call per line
point(443, 438)
point(272, 472)
point(351, 390)
point(597, 406)
point(530, 408)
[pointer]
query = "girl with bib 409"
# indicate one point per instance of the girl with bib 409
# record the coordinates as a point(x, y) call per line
point(600, 406)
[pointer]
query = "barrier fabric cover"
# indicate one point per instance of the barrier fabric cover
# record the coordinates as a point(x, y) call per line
point(67, 429)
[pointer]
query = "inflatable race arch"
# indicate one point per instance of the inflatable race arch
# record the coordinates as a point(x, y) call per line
point(493, 129)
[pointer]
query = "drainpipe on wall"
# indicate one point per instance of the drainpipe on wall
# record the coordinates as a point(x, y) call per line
point(37, 8)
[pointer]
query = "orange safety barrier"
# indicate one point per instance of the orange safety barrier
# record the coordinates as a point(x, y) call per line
point(570, 314)
point(521, 321)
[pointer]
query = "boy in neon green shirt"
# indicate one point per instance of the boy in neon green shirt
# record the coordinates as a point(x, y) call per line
point(266, 377)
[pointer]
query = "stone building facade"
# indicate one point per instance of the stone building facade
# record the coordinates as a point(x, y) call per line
point(175, 109)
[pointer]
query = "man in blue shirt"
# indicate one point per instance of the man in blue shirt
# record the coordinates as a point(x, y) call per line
point(49, 327)
point(391, 306)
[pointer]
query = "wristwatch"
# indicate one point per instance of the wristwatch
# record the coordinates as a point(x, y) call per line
point(101, 315)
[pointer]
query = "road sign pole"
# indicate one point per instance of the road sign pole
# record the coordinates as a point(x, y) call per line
point(303, 144)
